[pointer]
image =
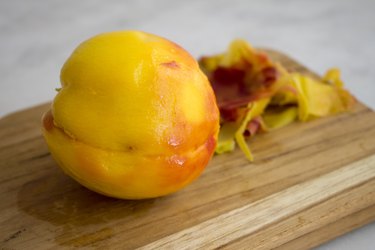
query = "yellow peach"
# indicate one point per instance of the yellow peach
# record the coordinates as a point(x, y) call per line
point(135, 117)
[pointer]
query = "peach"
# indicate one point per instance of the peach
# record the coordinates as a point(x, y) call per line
point(135, 117)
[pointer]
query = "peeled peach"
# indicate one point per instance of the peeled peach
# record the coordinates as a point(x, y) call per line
point(135, 117)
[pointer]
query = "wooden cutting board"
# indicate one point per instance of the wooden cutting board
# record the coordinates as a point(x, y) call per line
point(310, 182)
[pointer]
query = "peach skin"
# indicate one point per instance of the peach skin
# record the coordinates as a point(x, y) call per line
point(134, 118)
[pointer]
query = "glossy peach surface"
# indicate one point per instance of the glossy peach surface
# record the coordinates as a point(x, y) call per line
point(135, 117)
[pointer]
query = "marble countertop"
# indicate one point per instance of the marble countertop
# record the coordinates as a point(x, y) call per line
point(37, 37)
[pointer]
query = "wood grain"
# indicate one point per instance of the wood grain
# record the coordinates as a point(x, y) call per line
point(310, 183)
point(248, 219)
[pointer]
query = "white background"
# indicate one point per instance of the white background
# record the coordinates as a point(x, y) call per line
point(37, 36)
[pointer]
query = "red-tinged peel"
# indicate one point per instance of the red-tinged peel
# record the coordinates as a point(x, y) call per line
point(253, 127)
point(254, 93)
